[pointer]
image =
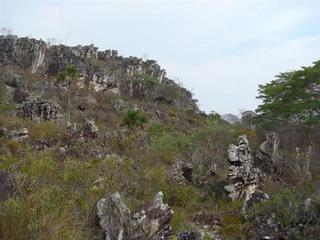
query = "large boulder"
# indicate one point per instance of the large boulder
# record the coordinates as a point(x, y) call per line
point(114, 220)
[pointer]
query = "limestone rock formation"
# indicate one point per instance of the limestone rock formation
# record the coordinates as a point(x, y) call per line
point(100, 70)
point(115, 220)
point(18, 135)
point(245, 178)
point(38, 110)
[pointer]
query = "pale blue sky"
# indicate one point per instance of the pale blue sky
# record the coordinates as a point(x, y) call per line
point(219, 49)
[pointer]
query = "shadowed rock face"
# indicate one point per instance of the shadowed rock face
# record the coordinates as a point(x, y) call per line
point(114, 220)
point(38, 110)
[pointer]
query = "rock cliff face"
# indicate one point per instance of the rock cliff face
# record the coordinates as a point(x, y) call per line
point(100, 70)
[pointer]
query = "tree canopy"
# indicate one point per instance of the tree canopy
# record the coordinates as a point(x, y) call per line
point(293, 97)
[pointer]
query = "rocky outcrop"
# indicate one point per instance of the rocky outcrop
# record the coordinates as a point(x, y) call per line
point(16, 89)
point(100, 70)
point(8, 186)
point(17, 135)
point(180, 172)
point(114, 220)
point(25, 52)
point(38, 110)
point(244, 177)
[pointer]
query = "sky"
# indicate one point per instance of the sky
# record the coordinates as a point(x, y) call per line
point(221, 50)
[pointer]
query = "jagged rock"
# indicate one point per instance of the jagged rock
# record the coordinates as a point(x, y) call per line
point(90, 129)
point(181, 172)
point(24, 52)
point(8, 185)
point(115, 220)
point(18, 135)
point(100, 70)
point(245, 178)
point(38, 110)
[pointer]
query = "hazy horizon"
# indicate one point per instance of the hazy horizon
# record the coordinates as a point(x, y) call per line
point(219, 50)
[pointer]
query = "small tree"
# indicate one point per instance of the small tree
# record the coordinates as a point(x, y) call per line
point(70, 74)
point(292, 97)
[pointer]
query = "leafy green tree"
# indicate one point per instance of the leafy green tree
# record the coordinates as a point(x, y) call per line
point(70, 74)
point(293, 97)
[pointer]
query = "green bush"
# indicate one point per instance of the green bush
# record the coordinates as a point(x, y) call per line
point(146, 79)
point(134, 118)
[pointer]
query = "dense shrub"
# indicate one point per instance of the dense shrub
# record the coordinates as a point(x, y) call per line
point(134, 118)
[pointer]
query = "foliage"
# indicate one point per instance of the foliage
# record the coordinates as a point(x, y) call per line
point(146, 79)
point(134, 118)
point(69, 72)
point(292, 97)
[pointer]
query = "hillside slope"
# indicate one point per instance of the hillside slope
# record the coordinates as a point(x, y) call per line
point(98, 146)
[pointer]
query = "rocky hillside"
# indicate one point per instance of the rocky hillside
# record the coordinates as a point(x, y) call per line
point(98, 146)
point(98, 70)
